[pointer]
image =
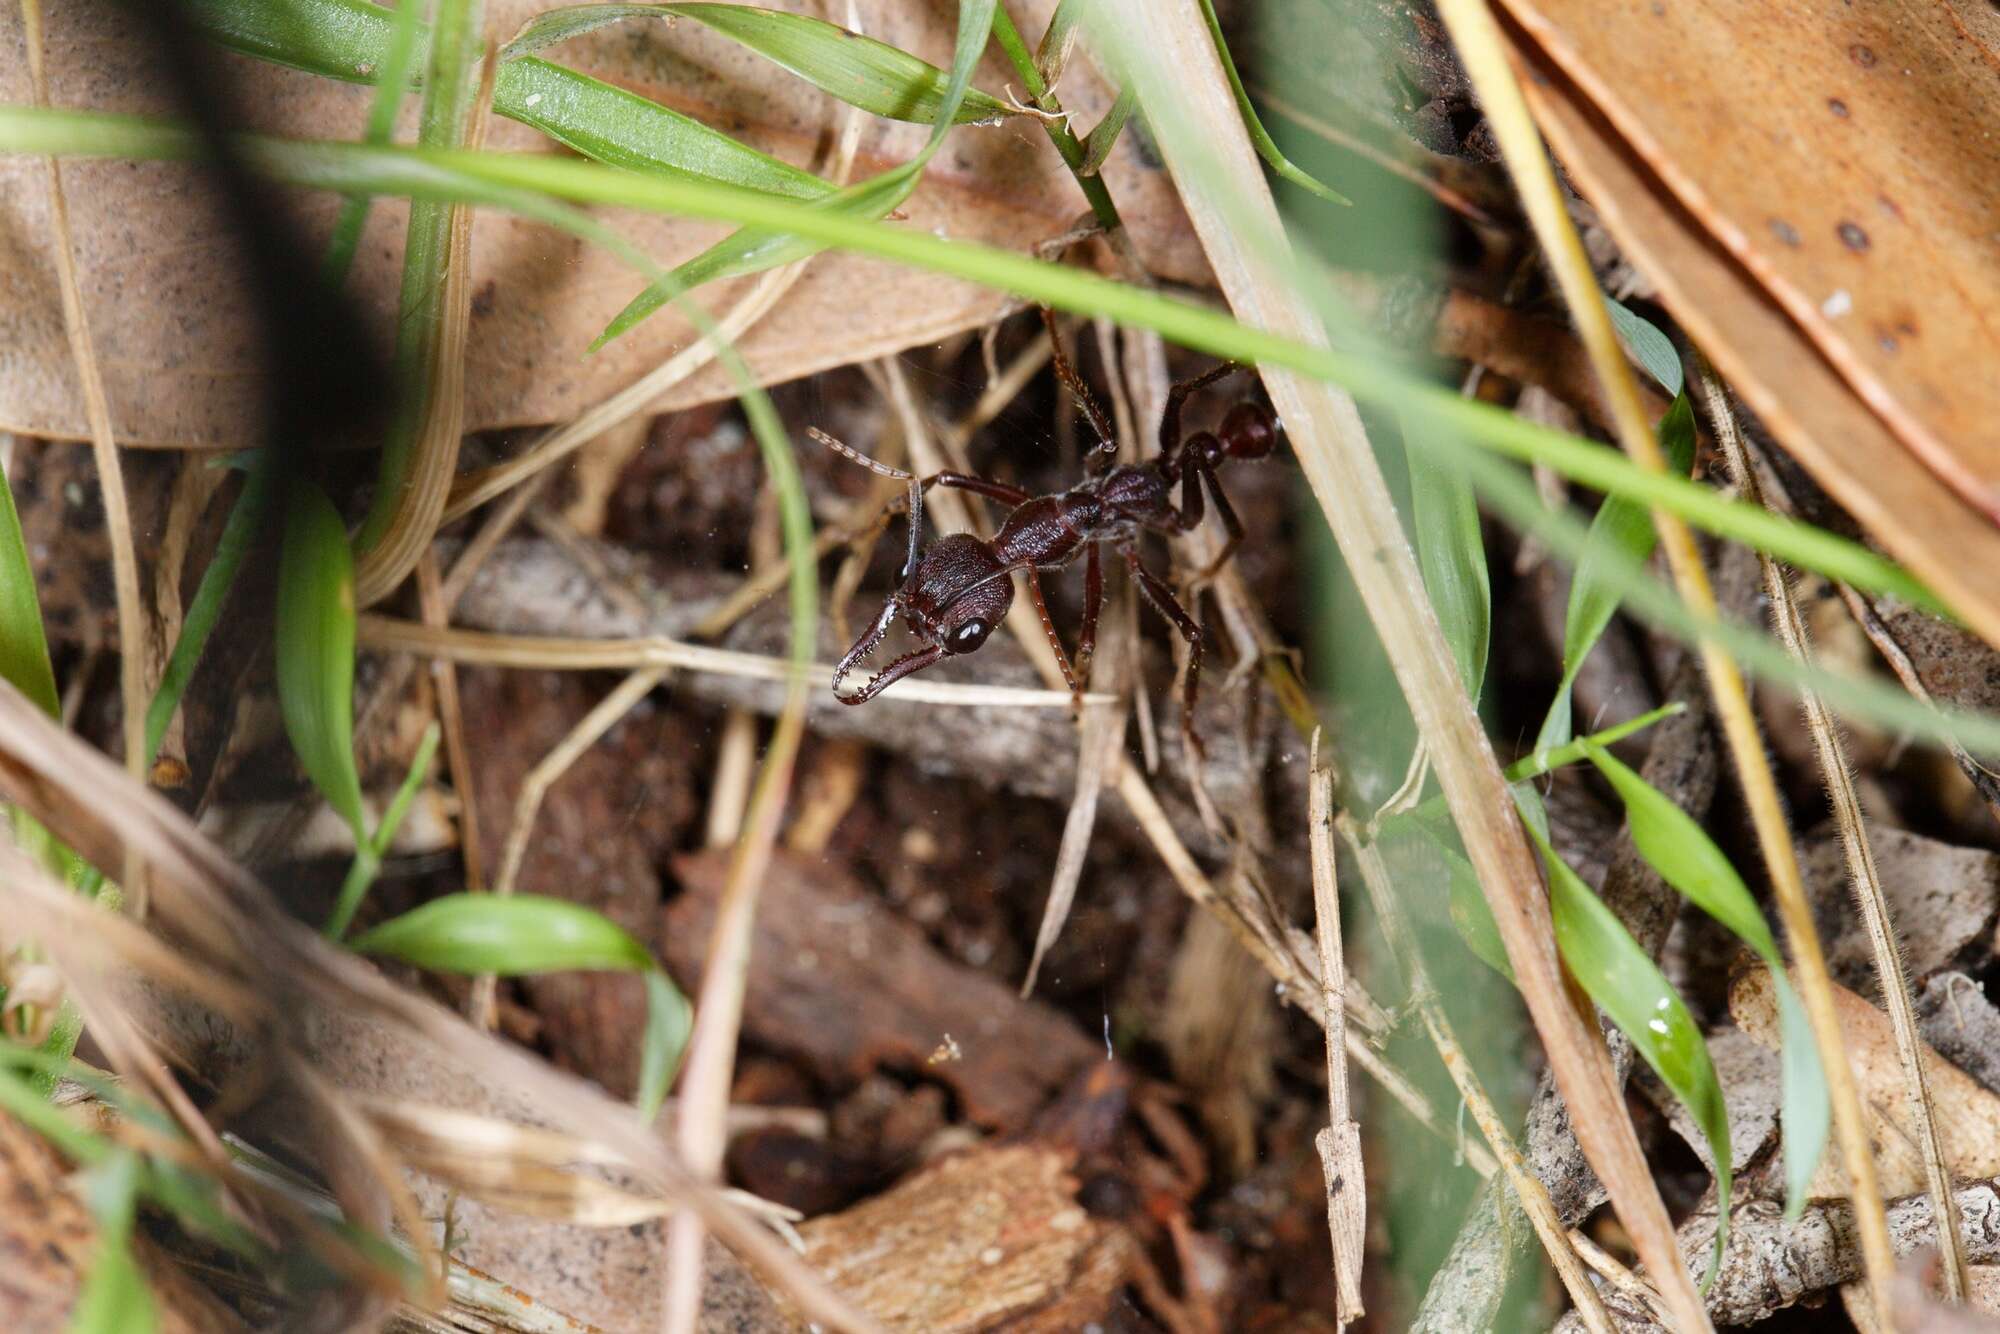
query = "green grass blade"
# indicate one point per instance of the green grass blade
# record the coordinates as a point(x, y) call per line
point(1649, 346)
point(750, 251)
point(315, 649)
point(1622, 526)
point(1103, 136)
point(860, 71)
point(1267, 148)
point(354, 41)
point(115, 1298)
point(513, 935)
point(1452, 555)
point(1616, 974)
point(669, 1021)
point(1686, 858)
point(551, 26)
point(246, 516)
point(368, 856)
point(24, 647)
point(392, 81)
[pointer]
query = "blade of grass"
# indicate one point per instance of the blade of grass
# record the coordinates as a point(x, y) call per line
point(1477, 36)
point(392, 80)
point(24, 647)
point(369, 853)
point(1267, 148)
point(1451, 552)
point(114, 1298)
point(353, 40)
point(315, 649)
point(1036, 80)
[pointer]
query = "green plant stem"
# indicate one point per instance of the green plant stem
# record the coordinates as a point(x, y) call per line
point(1060, 134)
point(369, 852)
point(392, 81)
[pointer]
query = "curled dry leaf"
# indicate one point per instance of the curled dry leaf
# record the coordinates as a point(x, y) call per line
point(1967, 1115)
point(1842, 301)
point(539, 297)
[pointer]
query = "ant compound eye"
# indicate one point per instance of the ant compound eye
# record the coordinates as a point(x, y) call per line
point(968, 637)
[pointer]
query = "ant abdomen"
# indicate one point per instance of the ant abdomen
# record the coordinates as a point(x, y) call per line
point(1249, 431)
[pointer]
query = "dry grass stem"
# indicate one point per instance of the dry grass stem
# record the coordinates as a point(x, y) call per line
point(1233, 212)
point(436, 612)
point(729, 786)
point(1340, 1143)
point(132, 673)
point(1890, 974)
point(1528, 1188)
point(390, 634)
point(1481, 47)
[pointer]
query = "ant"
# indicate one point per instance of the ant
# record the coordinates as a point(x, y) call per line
point(955, 592)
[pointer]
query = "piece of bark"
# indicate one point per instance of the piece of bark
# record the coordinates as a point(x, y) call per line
point(1751, 1091)
point(841, 982)
point(1942, 898)
point(48, 1242)
point(1967, 1116)
point(988, 1239)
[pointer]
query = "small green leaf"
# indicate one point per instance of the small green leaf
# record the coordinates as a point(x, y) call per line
point(114, 1298)
point(1103, 137)
point(511, 934)
point(669, 1020)
point(860, 71)
point(315, 657)
point(1470, 913)
point(1624, 528)
point(1650, 347)
point(1452, 553)
point(1807, 1107)
point(1267, 147)
point(1615, 973)
point(369, 855)
point(24, 649)
point(551, 26)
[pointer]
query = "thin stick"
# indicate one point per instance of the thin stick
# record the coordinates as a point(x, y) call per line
point(555, 653)
point(1838, 774)
point(735, 767)
point(1481, 47)
point(1193, 112)
point(132, 672)
point(1340, 1143)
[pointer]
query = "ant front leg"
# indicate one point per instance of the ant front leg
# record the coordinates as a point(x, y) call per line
point(1170, 419)
point(1163, 601)
point(978, 486)
point(1055, 640)
point(1093, 603)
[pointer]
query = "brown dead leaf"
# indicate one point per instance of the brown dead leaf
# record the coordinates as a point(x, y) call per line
point(983, 1240)
point(1712, 151)
point(174, 325)
point(842, 982)
point(1967, 1116)
point(1942, 898)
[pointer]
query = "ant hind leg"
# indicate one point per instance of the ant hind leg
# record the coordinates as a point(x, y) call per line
point(1163, 601)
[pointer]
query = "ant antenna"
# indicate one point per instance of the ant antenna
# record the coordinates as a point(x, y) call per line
point(1067, 373)
point(882, 469)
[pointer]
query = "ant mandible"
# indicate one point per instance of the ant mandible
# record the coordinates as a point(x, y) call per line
point(957, 590)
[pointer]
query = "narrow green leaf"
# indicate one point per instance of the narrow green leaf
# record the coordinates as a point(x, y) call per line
point(368, 856)
point(1649, 346)
point(114, 1298)
point(512, 935)
point(1623, 528)
point(1267, 148)
point(1452, 554)
point(1806, 1108)
point(246, 516)
point(750, 251)
point(1470, 913)
point(669, 1020)
point(1103, 137)
point(24, 649)
point(315, 643)
point(551, 26)
point(392, 81)
point(355, 41)
point(1616, 974)
point(860, 71)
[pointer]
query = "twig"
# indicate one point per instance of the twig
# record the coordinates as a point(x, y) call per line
point(1528, 1188)
point(103, 445)
point(1838, 774)
point(729, 788)
point(1193, 112)
point(1480, 46)
point(1340, 1143)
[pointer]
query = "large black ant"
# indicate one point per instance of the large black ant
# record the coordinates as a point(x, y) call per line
point(957, 590)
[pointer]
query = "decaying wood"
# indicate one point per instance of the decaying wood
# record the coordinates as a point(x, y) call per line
point(846, 985)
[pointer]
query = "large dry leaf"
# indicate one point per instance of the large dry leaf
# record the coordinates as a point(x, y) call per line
point(1836, 266)
point(173, 322)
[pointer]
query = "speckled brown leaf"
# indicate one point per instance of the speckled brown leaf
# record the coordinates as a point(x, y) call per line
point(172, 321)
point(1812, 188)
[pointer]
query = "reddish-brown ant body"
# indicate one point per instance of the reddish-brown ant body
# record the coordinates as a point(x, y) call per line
point(956, 591)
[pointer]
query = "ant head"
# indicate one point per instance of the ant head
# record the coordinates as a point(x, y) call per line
point(952, 599)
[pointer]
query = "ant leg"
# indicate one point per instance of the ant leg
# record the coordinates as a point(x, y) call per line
point(1049, 629)
point(979, 486)
point(1107, 439)
point(1093, 602)
point(1170, 420)
point(1163, 601)
point(1230, 523)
